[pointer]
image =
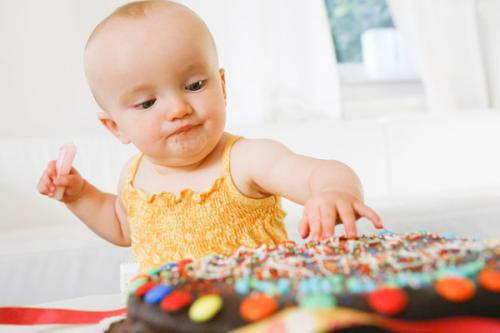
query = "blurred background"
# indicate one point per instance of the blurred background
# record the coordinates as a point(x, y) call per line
point(406, 92)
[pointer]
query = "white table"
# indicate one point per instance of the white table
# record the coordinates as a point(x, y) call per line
point(93, 303)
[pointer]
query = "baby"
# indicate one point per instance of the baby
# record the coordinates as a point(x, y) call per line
point(193, 189)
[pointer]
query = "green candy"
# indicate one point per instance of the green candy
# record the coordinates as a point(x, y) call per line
point(205, 308)
point(318, 301)
point(136, 284)
point(153, 271)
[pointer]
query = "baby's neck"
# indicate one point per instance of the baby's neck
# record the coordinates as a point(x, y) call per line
point(166, 170)
point(213, 157)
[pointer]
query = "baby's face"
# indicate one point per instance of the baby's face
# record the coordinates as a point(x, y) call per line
point(158, 81)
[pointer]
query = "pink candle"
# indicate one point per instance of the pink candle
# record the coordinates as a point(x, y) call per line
point(66, 156)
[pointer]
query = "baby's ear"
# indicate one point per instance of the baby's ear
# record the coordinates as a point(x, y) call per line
point(112, 126)
point(222, 73)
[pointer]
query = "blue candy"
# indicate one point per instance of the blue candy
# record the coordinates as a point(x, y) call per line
point(242, 286)
point(326, 286)
point(284, 286)
point(168, 266)
point(304, 286)
point(155, 295)
point(354, 285)
point(448, 235)
point(315, 285)
point(267, 287)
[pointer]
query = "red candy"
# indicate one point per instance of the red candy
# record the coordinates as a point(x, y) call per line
point(181, 264)
point(257, 306)
point(490, 279)
point(455, 289)
point(176, 301)
point(388, 301)
point(144, 288)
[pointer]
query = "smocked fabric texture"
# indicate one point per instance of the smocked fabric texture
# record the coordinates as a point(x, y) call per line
point(167, 228)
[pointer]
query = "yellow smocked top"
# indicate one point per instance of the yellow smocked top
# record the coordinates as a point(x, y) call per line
point(167, 228)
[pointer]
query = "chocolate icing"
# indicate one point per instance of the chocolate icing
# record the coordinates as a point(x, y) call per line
point(423, 303)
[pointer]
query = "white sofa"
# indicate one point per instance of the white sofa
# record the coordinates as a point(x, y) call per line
point(436, 173)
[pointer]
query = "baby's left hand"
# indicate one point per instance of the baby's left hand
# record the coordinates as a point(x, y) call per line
point(323, 211)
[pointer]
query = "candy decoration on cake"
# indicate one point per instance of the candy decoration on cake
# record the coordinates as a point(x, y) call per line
point(205, 307)
point(257, 306)
point(176, 301)
point(318, 301)
point(490, 279)
point(156, 294)
point(388, 301)
point(455, 289)
point(144, 288)
point(381, 272)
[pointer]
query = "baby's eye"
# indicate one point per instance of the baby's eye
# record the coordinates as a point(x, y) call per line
point(146, 104)
point(196, 85)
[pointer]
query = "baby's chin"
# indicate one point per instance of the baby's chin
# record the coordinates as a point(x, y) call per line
point(189, 147)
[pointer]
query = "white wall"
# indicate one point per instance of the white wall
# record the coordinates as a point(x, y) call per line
point(42, 86)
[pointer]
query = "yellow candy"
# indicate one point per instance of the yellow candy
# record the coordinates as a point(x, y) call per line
point(205, 308)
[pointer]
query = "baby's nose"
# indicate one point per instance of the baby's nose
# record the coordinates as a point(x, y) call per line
point(177, 110)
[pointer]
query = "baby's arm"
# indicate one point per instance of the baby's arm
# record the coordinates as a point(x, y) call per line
point(100, 211)
point(329, 190)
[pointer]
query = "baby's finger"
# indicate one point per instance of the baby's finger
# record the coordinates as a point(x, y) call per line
point(328, 217)
point(45, 185)
point(304, 226)
point(348, 218)
point(364, 210)
point(52, 169)
point(314, 222)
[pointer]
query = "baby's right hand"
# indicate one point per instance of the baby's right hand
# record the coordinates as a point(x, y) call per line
point(73, 183)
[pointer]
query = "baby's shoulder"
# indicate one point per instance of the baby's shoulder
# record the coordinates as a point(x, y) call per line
point(249, 148)
point(249, 154)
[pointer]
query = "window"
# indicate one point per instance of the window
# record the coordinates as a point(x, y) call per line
point(377, 75)
point(349, 19)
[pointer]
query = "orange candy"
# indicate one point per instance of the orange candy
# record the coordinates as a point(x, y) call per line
point(490, 279)
point(140, 276)
point(257, 306)
point(455, 289)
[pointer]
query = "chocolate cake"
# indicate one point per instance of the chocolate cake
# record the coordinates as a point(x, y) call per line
point(373, 282)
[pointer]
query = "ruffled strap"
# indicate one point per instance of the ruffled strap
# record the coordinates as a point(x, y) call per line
point(133, 168)
point(226, 155)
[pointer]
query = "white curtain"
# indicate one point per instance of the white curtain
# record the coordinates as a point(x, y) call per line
point(279, 58)
point(278, 55)
point(455, 43)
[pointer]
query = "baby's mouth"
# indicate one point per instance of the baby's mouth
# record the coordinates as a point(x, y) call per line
point(183, 129)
